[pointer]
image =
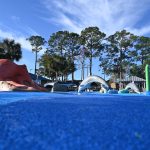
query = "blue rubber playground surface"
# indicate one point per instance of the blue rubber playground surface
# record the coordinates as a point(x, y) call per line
point(60, 121)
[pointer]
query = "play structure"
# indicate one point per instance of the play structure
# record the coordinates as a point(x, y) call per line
point(86, 84)
point(147, 75)
point(131, 86)
point(15, 77)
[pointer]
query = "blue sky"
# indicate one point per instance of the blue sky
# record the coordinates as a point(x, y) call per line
point(20, 19)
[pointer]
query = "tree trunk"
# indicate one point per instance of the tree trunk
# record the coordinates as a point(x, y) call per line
point(120, 69)
point(142, 59)
point(82, 73)
point(90, 65)
point(62, 78)
point(35, 62)
point(73, 74)
point(56, 76)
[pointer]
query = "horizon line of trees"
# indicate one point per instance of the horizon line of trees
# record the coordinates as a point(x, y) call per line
point(120, 54)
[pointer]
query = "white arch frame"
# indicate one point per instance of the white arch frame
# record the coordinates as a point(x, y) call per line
point(90, 79)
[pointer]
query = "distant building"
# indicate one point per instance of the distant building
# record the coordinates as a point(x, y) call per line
point(39, 79)
point(141, 83)
point(114, 85)
point(60, 86)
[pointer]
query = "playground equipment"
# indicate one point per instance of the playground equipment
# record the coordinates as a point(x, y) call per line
point(131, 86)
point(86, 83)
point(147, 75)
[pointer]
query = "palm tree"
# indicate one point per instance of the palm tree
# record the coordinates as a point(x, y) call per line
point(10, 50)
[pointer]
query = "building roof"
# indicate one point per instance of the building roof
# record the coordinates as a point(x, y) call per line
point(133, 78)
point(35, 77)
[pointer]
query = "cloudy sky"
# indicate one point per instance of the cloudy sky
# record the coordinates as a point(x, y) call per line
point(20, 19)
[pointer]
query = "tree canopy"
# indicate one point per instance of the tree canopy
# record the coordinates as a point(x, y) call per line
point(55, 65)
point(57, 43)
point(118, 53)
point(142, 49)
point(11, 50)
point(92, 38)
point(36, 42)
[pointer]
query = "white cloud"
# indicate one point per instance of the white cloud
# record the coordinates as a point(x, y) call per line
point(142, 31)
point(29, 30)
point(20, 39)
point(20, 35)
point(108, 15)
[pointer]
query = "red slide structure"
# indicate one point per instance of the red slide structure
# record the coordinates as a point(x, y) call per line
point(15, 77)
